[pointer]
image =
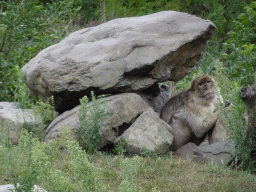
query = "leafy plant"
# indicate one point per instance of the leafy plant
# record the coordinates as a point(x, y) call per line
point(120, 147)
point(26, 27)
point(233, 119)
point(89, 9)
point(147, 153)
point(130, 168)
point(92, 116)
point(239, 52)
point(33, 162)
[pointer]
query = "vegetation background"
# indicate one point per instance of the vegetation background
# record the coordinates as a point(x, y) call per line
point(29, 26)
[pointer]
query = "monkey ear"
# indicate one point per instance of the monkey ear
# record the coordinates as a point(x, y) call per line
point(194, 83)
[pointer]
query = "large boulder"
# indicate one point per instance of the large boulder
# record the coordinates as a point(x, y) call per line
point(13, 119)
point(122, 55)
point(123, 110)
point(147, 131)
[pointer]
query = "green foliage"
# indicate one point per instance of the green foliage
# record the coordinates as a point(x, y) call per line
point(22, 91)
point(233, 119)
point(33, 162)
point(130, 169)
point(26, 27)
point(125, 8)
point(82, 169)
point(222, 13)
point(92, 116)
point(239, 53)
point(90, 9)
point(45, 109)
point(120, 147)
point(147, 153)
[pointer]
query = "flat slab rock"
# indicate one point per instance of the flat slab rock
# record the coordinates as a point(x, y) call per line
point(122, 55)
point(219, 152)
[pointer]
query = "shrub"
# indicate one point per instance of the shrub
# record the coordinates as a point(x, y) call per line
point(92, 116)
point(120, 147)
point(26, 27)
point(130, 169)
point(239, 52)
point(33, 162)
point(233, 119)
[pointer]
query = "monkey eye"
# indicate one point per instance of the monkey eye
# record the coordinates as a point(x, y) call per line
point(208, 81)
point(201, 83)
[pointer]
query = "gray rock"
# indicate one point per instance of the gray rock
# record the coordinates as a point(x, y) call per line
point(123, 110)
point(12, 119)
point(147, 131)
point(122, 55)
point(10, 187)
point(159, 102)
point(8, 105)
point(186, 151)
point(218, 134)
point(219, 152)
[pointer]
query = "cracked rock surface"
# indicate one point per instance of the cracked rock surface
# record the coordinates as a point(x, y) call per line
point(148, 131)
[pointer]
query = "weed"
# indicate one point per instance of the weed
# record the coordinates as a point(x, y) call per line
point(130, 169)
point(92, 116)
point(233, 119)
point(120, 147)
point(147, 153)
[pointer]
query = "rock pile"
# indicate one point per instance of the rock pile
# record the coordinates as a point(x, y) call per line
point(127, 58)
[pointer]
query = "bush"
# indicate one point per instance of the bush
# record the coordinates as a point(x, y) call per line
point(59, 165)
point(120, 147)
point(92, 116)
point(239, 52)
point(26, 27)
point(130, 169)
point(233, 119)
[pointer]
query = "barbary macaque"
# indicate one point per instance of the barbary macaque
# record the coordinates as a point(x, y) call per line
point(190, 113)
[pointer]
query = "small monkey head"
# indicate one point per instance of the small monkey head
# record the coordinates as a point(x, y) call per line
point(204, 85)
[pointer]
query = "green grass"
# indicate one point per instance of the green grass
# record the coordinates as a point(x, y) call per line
point(173, 174)
point(61, 165)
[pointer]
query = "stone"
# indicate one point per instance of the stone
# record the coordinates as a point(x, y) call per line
point(9, 105)
point(10, 187)
point(156, 96)
point(13, 119)
point(159, 101)
point(121, 55)
point(123, 110)
point(219, 153)
point(218, 133)
point(186, 151)
point(147, 131)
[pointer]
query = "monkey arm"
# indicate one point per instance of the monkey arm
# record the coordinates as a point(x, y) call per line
point(203, 124)
point(198, 123)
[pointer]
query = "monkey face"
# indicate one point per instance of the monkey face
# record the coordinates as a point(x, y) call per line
point(205, 89)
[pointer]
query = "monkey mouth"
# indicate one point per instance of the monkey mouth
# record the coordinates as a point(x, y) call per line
point(209, 95)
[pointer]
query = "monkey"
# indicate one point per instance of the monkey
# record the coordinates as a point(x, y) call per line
point(191, 113)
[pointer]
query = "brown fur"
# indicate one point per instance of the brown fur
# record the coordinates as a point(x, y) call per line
point(191, 112)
